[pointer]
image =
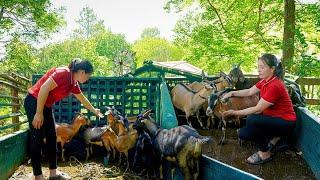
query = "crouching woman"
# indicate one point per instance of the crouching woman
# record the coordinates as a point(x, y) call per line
point(273, 116)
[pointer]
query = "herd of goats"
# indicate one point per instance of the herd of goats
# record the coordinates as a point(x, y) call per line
point(153, 145)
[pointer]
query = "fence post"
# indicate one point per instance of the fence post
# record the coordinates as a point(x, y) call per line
point(15, 108)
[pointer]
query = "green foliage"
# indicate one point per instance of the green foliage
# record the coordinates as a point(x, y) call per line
point(29, 19)
point(61, 54)
point(227, 32)
point(19, 57)
point(150, 33)
point(157, 49)
point(109, 45)
point(89, 24)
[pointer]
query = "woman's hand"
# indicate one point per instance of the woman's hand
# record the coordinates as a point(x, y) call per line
point(37, 120)
point(98, 113)
point(229, 113)
point(226, 96)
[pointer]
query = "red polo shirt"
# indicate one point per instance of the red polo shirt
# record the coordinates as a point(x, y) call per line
point(66, 85)
point(275, 92)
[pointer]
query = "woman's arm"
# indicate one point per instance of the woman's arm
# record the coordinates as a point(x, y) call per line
point(41, 100)
point(87, 104)
point(242, 93)
point(259, 108)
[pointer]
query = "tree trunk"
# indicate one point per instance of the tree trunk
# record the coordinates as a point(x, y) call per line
point(288, 33)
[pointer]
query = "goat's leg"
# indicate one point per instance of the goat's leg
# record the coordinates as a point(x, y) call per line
point(224, 127)
point(188, 120)
point(126, 154)
point(161, 171)
point(199, 119)
point(88, 152)
point(196, 174)
point(62, 151)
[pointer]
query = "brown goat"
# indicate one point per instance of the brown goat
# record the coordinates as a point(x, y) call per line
point(115, 121)
point(217, 107)
point(65, 132)
point(188, 101)
point(121, 143)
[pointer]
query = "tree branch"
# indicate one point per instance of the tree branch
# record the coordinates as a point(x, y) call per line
point(1, 13)
point(217, 13)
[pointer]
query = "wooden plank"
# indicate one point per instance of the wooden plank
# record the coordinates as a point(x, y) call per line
point(313, 101)
point(308, 81)
point(21, 77)
point(9, 97)
point(9, 104)
point(10, 79)
point(307, 133)
point(12, 125)
point(10, 115)
point(12, 86)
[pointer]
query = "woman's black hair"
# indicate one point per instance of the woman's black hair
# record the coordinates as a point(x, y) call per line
point(78, 64)
point(272, 61)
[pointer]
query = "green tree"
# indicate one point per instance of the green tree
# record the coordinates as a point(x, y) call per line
point(157, 49)
point(29, 19)
point(21, 57)
point(89, 24)
point(60, 54)
point(150, 32)
point(110, 45)
point(220, 32)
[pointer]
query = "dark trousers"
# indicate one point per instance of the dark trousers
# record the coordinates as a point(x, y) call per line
point(47, 131)
point(260, 129)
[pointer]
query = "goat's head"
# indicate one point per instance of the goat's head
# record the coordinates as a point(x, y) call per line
point(112, 114)
point(143, 120)
point(81, 119)
point(236, 74)
point(212, 102)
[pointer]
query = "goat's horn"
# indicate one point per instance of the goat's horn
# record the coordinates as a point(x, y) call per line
point(147, 112)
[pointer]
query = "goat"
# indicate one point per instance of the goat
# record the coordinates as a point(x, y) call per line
point(217, 107)
point(221, 83)
point(238, 79)
point(117, 123)
point(189, 101)
point(65, 132)
point(145, 156)
point(92, 135)
point(181, 145)
point(122, 143)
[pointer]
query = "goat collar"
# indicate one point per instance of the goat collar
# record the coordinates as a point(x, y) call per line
point(202, 97)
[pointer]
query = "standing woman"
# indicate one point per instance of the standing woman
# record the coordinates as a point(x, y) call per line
point(53, 86)
point(273, 116)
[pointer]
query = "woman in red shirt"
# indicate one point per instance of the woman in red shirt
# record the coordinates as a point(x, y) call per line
point(273, 116)
point(56, 84)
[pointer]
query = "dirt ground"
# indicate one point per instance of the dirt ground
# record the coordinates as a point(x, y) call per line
point(286, 164)
point(91, 169)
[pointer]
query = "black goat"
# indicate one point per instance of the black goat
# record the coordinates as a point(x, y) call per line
point(181, 145)
point(145, 157)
